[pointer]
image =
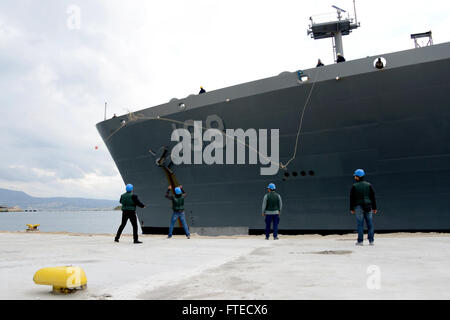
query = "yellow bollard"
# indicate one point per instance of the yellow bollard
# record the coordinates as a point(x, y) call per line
point(63, 279)
point(32, 227)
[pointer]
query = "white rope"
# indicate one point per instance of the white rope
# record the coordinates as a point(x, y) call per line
point(132, 117)
point(284, 166)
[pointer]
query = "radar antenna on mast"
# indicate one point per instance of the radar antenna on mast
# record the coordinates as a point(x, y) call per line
point(334, 29)
point(339, 11)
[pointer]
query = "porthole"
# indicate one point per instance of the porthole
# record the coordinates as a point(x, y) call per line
point(379, 63)
point(182, 106)
point(286, 174)
point(303, 173)
point(295, 173)
point(311, 173)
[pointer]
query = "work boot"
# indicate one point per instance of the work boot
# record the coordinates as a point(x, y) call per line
point(275, 238)
point(371, 243)
point(359, 243)
point(169, 237)
point(137, 241)
point(188, 237)
point(116, 240)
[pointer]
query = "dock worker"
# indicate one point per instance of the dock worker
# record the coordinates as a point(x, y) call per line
point(340, 58)
point(271, 209)
point(129, 202)
point(363, 204)
point(202, 90)
point(178, 209)
point(319, 63)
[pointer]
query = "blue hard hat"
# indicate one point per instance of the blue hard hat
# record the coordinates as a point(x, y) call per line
point(271, 186)
point(129, 187)
point(177, 190)
point(359, 173)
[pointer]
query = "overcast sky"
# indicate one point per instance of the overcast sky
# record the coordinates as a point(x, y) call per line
point(61, 60)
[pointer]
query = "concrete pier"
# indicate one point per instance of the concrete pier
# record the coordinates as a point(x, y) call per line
point(399, 266)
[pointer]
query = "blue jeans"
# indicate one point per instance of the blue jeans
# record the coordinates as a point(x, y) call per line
point(174, 219)
point(360, 217)
point(276, 219)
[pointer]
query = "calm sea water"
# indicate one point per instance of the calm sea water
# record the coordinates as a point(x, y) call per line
point(69, 221)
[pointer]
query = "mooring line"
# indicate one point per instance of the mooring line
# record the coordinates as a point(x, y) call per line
point(132, 117)
point(284, 166)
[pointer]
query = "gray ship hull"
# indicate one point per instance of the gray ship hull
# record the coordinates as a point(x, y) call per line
point(394, 123)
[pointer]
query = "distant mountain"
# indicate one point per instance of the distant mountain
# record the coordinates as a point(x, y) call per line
point(12, 198)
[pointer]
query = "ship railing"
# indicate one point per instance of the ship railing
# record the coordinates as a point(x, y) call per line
point(329, 17)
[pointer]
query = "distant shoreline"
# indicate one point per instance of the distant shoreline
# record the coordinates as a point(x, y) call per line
point(11, 209)
point(25, 202)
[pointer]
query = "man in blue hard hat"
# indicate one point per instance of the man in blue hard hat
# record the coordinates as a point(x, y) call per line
point(178, 209)
point(271, 209)
point(363, 204)
point(129, 202)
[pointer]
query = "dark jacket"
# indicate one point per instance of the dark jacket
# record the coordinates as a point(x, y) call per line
point(340, 59)
point(379, 64)
point(362, 193)
point(127, 205)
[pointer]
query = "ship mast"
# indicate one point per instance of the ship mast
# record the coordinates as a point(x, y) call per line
point(334, 29)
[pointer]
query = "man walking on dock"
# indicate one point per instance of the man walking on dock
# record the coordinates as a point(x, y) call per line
point(178, 209)
point(129, 202)
point(363, 203)
point(271, 209)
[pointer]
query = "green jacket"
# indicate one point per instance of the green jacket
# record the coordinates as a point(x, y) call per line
point(177, 201)
point(127, 202)
point(272, 203)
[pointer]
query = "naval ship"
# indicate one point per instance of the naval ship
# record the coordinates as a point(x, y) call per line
point(325, 122)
